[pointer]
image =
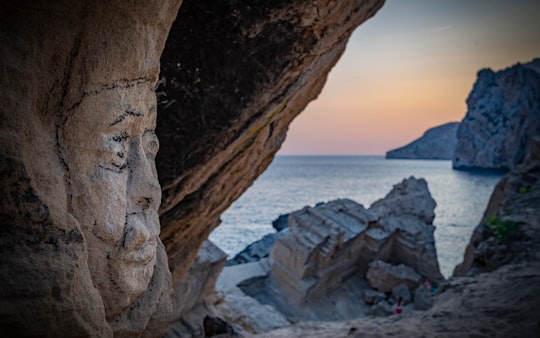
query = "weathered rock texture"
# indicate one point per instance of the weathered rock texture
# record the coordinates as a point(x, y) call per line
point(79, 248)
point(502, 118)
point(503, 303)
point(510, 229)
point(194, 292)
point(234, 74)
point(332, 242)
point(332, 255)
point(499, 298)
point(385, 277)
point(437, 143)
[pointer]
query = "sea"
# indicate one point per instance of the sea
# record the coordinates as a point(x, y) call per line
point(292, 182)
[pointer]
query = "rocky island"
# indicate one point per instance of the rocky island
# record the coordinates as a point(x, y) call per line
point(437, 143)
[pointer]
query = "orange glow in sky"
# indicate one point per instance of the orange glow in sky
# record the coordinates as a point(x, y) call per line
point(410, 68)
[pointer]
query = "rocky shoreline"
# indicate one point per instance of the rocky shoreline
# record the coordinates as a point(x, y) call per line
point(307, 281)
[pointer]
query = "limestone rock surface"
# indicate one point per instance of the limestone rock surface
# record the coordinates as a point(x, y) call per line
point(331, 242)
point(385, 277)
point(79, 248)
point(466, 308)
point(195, 291)
point(503, 115)
point(437, 143)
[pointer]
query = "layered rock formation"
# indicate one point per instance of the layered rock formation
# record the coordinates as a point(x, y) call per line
point(333, 254)
point(437, 143)
point(329, 243)
point(79, 246)
point(503, 115)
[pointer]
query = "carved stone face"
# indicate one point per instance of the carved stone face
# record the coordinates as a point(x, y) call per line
point(109, 146)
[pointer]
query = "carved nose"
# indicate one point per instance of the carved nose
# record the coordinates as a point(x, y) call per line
point(143, 190)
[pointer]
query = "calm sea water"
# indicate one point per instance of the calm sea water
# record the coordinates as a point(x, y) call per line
point(292, 182)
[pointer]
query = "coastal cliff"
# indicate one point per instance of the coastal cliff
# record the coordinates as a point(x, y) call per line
point(503, 115)
point(437, 143)
point(494, 291)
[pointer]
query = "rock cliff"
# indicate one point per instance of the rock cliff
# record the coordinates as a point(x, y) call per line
point(233, 77)
point(510, 229)
point(79, 244)
point(437, 143)
point(503, 115)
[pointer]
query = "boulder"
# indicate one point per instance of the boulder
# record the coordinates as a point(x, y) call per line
point(372, 297)
point(381, 309)
point(437, 143)
point(503, 115)
point(423, 298)
point(385, 277)
point(191, 293)
point(281, 222)
point(257, 250)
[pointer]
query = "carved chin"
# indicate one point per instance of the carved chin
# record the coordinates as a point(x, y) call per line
point(134, 276)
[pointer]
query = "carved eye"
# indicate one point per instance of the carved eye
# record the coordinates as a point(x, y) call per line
point(118, 149)
point(150, 144)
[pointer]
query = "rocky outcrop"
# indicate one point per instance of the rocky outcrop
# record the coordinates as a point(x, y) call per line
point(256, 250)
point(503, 115)
point(437, 143)
point(233, 77)
point(331, 242)
point(510, 229)
point(79, 248)
point(261, 249)
point(196, 291)
point(499, 297)
point(327, 257)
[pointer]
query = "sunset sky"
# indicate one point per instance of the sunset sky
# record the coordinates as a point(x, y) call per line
point(409, 68)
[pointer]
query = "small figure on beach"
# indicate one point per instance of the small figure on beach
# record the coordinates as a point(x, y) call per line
point(398, 309)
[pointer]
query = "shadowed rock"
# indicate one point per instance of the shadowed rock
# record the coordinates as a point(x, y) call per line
point(234, 74)
point(503, 115)
point(385, 277)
